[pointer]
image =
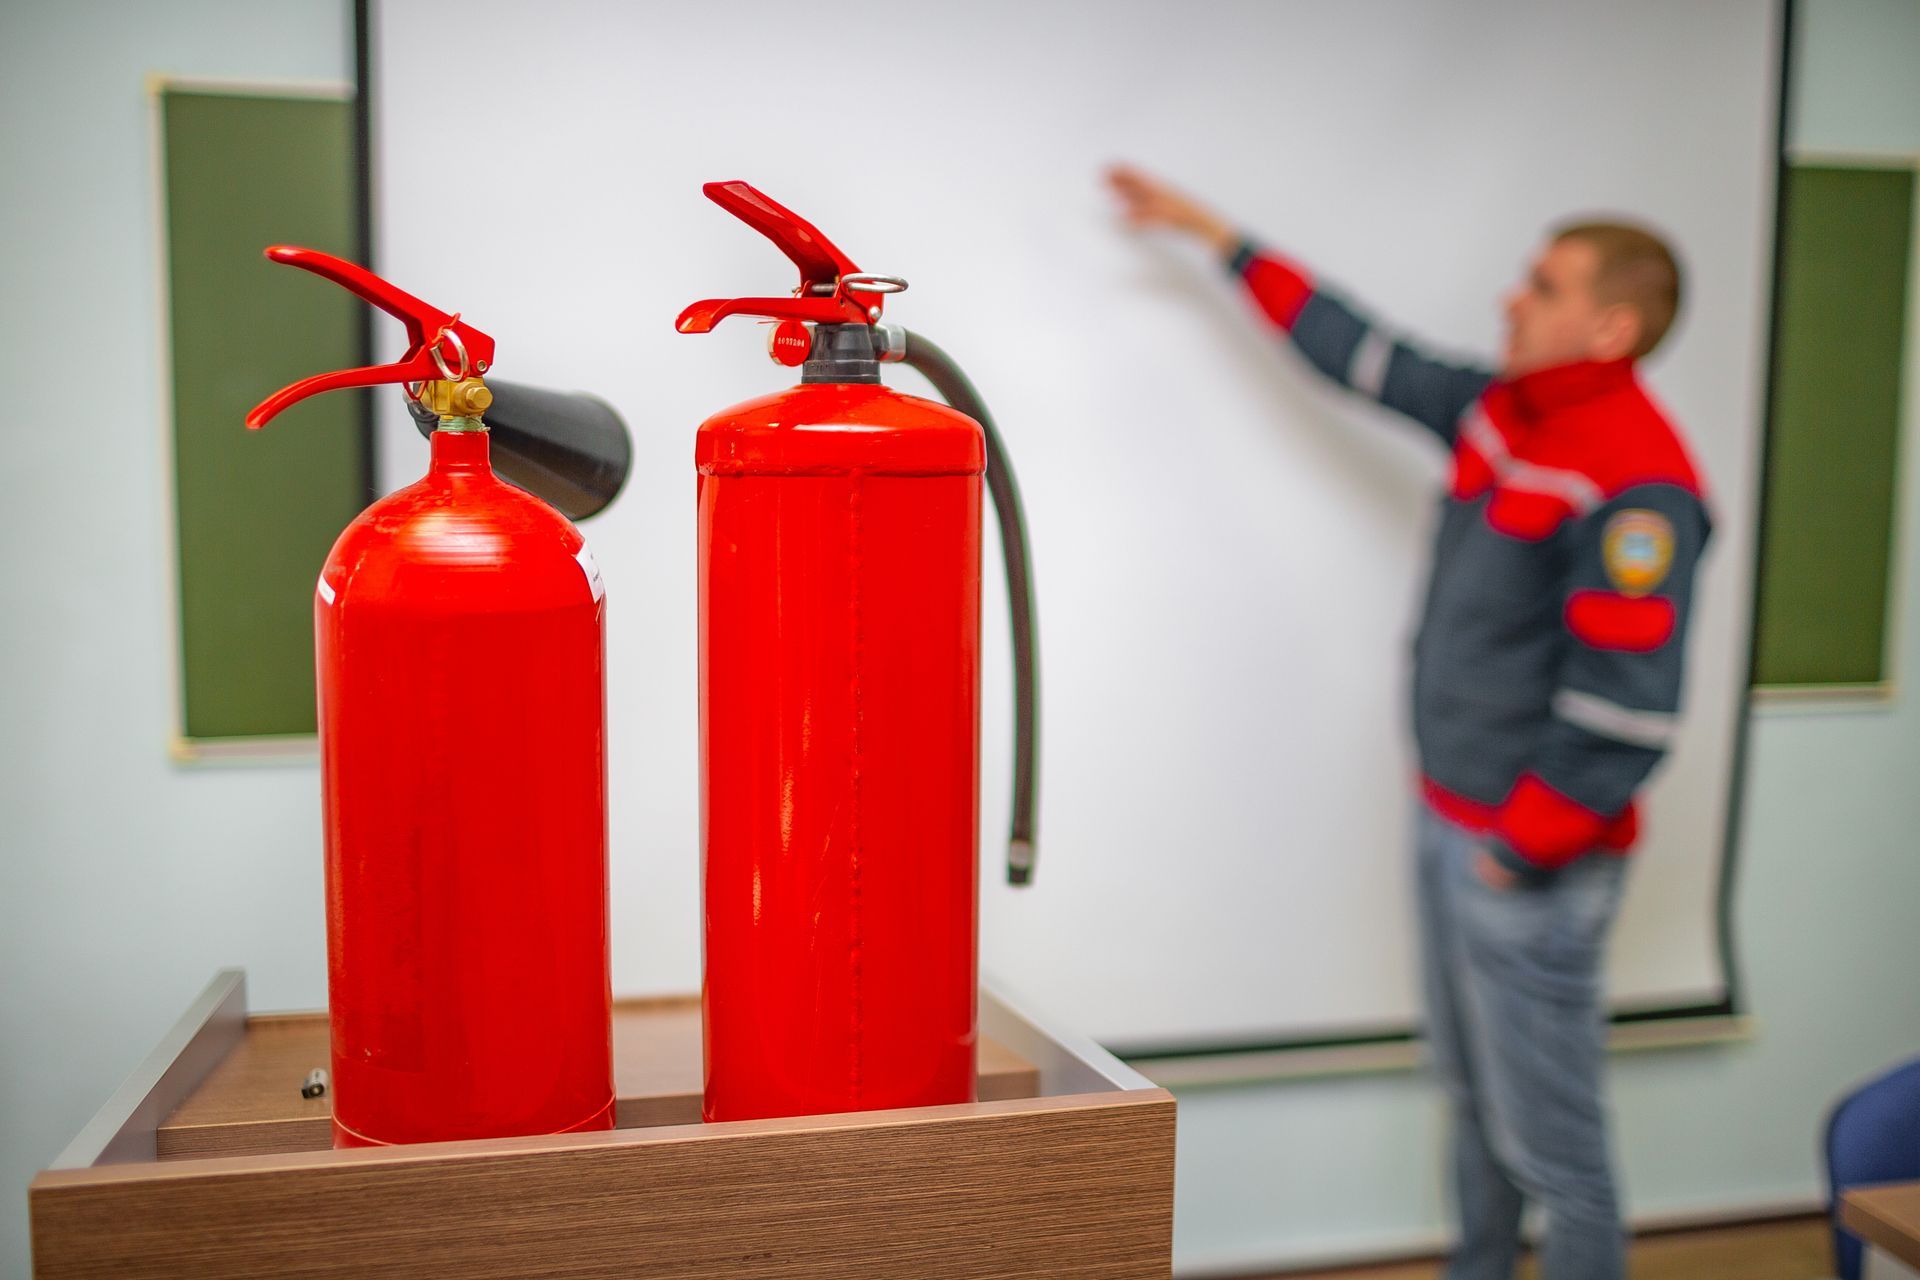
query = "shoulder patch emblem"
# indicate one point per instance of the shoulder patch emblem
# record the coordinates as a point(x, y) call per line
point(1637, 547)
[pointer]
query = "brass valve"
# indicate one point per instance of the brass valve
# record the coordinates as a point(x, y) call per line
point(467, 398)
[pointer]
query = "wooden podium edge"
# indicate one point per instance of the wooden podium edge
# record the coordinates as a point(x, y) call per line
point(448, 1154)
point(1076, 1186)
point(124, 1129)
point(1872, 1213)
point(1074, 1182)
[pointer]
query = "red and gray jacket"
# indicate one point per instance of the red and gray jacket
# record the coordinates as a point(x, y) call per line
point(1548, 660)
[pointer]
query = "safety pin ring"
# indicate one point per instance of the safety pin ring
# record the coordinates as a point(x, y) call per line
point(867, 282)
point(448, 335)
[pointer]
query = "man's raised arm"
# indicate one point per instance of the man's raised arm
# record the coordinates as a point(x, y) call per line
point(1341, 342)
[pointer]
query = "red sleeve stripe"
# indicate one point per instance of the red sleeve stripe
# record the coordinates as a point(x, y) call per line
point(1279, 287)
point(1630, 624)
point(1548, 828)
point(1529, 517)
point(1471, 815)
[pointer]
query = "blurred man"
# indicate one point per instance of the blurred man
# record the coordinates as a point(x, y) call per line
point(1546, 681)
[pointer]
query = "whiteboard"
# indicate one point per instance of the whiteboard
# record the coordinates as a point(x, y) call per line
point(1228, 554)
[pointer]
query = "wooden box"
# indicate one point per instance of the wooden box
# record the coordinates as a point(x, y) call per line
point(209, 1163)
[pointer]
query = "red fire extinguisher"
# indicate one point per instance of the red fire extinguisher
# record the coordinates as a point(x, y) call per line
point(459, 636)
point(839, 585)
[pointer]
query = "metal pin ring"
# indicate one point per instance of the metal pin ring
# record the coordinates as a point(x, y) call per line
point(867, 282)
point(448, 335)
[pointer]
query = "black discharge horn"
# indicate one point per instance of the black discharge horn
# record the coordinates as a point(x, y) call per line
point(565, 447)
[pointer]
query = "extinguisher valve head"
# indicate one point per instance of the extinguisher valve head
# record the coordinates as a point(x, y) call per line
point(842, 353)
point(467, 398)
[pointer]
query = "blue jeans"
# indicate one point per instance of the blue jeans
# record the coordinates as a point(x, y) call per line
point(1517, 1027)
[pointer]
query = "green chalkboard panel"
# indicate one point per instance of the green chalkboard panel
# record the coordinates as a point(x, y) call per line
point(256, 511)
point(1834, 439)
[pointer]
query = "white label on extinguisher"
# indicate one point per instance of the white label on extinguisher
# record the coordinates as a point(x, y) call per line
point(326, 589)
point(592, 570)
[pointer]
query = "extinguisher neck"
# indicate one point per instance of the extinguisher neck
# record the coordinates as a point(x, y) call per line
point(460, 449)
point(842, 353)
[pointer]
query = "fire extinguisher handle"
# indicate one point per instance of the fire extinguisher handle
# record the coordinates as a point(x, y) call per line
point(832, 289)
point(819, 259)
point(440, 344)
point(701, 316)
point(958, 391)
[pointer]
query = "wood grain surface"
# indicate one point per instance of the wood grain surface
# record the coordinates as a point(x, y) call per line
point(1067, 1187)
point(1887, 1216)
point(251, 1104)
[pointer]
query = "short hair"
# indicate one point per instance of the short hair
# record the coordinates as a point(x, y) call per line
point(1636, 268)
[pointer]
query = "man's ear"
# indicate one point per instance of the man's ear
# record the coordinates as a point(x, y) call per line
point(1616, 333)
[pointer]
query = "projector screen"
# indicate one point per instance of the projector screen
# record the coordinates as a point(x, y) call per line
point(1228, 554)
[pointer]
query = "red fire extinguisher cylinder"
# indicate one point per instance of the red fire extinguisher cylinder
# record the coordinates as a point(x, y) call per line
point(459, 627)
point(840, 659)
point(839, 579)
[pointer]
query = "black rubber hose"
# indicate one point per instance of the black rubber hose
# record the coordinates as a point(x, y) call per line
point(955, 388)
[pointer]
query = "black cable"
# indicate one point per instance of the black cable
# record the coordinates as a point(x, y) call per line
point(955, 388)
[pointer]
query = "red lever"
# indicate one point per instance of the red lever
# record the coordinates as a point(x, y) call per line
point(820, 262)
point(441, 346)
point(831, 287)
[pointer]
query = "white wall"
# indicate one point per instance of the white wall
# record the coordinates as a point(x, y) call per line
point(1828, 875)
point(1187, 491)
point(125, 881)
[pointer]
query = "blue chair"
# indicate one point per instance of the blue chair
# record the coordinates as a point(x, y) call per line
point(1873, 1135)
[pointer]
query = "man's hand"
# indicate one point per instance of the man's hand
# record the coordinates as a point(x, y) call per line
point(1146, 202)
point(1492, 871)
